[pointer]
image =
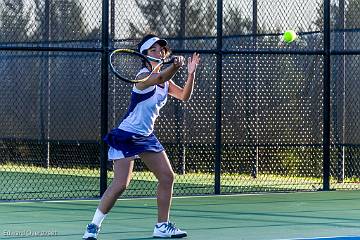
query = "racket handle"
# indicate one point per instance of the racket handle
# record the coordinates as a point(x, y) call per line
point(169, 60)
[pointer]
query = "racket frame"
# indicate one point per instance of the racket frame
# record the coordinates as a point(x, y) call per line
point(145, 58)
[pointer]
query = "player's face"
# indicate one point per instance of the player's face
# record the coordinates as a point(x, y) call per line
point(156, 51)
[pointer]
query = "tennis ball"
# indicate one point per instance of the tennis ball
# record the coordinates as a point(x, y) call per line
point(289, 36)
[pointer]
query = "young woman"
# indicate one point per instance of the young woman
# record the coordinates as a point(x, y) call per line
point(134, 136)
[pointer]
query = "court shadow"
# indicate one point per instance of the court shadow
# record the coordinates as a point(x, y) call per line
point(138, 238)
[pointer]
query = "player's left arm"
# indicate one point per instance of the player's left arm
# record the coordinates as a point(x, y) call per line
point(184, 93)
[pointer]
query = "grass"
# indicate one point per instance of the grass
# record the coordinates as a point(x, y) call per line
point(33, 182)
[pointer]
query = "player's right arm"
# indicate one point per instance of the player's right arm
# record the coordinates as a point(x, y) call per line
point(162, 76)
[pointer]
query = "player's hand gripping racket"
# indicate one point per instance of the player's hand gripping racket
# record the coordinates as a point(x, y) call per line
point(126, 63)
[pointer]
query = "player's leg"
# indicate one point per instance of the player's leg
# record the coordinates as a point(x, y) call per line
point(122, 176)
point(160, 165)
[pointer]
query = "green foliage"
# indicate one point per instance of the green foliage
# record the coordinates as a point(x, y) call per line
point(234, 23)
point(352, 19)
point(352, 15)
point(66, 20)
point(200, 19)
point(319, 22)
point(61, 21)
point(301, 163)
point(157, 17)
point(14, 21)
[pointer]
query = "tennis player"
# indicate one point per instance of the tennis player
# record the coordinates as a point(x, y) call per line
point(134, 137)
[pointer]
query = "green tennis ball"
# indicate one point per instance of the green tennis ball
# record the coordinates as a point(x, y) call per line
point(289, 36)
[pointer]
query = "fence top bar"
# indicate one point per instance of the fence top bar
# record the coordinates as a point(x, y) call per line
point(43, 48)
point(264, 51)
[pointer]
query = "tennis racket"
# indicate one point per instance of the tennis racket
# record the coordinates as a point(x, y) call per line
point(126, 64)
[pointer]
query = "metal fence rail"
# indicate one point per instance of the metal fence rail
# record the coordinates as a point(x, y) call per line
point(264, 116)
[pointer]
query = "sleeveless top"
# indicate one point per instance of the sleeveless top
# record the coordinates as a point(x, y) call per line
point(144, 108)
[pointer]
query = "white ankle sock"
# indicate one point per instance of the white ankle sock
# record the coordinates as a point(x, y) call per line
point(98, 218)
point(159, 223)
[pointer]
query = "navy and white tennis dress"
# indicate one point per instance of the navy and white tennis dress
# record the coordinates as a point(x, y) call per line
point(135, 135)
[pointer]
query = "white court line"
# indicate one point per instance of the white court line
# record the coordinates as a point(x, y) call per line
point(145, 198)
point(151, 198)
point(181, 197)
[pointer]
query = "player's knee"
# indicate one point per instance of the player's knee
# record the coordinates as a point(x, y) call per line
point(120, 188)
point(167, 178)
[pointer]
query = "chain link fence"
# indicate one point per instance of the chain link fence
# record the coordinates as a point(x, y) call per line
point(258, 120)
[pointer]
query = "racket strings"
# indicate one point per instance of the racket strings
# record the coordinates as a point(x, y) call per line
point(127, 65)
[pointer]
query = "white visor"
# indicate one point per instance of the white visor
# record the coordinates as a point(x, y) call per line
point(146, 45)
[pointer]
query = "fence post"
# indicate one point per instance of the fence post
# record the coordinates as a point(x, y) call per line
point(327, 98)
point(104, 94)
point(181, 112)
point(44, 92)
point(339, 103)
point(218, 116)
point(255, 152)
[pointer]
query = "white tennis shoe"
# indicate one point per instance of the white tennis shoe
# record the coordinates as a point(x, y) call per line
point(91, 232)
point(168, 230)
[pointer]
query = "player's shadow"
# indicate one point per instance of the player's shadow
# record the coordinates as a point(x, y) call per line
point(138, 238)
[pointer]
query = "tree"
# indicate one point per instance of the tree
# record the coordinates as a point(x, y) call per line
point(66, 20)
point(14, 28)
point(345, 72)
point(14, 21)
point(65, 76)
point(200, 19)
point(352, 19)
point(58, 20)
point(319, 22)
point(352, 73)
point(159, 19)
point(235, 23)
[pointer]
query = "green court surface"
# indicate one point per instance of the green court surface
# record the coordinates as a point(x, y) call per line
point(311, 215)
